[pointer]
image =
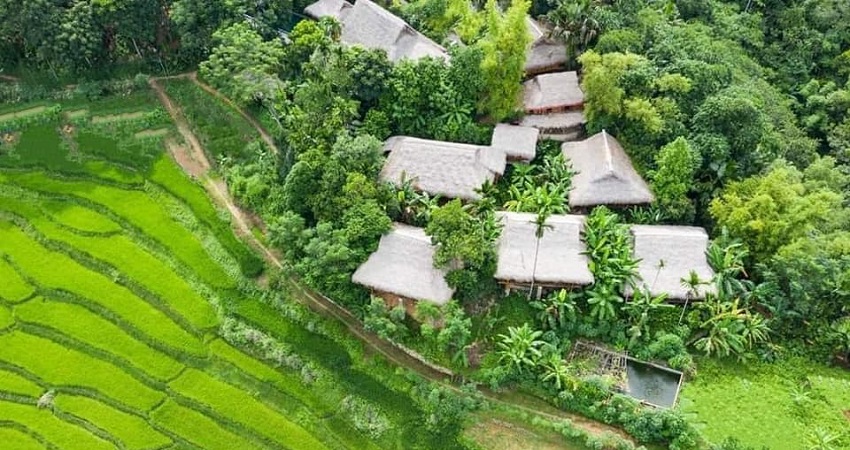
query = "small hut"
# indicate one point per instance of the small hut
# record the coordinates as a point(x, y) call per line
point(562, 126)
point(560, 259)
point(519, 143)
point(552, 93)
point(546, 54)
point(604, 174)
point(402, 270)
point(337, 9)
point(367, 24)
point(667, 255)
point(449, 169)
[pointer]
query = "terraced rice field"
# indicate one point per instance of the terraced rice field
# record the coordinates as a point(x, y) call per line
point(114, 267)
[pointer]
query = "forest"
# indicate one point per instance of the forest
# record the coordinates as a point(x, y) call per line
point(736, 113)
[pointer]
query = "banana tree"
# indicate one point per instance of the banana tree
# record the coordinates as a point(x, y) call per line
point(521, 347)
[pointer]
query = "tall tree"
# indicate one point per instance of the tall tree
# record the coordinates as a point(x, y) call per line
point(505, 44)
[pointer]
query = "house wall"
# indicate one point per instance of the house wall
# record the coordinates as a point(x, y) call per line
point(393, 300)
point(555, 109)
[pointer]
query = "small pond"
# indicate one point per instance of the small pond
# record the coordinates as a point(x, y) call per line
point(652, 384)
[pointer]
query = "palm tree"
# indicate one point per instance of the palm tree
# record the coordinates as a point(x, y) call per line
point(692, 284)
point(520, 347)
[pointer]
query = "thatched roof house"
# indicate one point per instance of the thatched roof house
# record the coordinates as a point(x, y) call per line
point(562, 126)
point(545, 54)
point(605, 175)
point(446, 168)
point(519, 143)
point(552, 92)
point(560, 256)
point(668, 254)
point(329, 8)
point(367, 24)
point(403, 266)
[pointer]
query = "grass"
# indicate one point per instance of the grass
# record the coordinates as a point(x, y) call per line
point(61, 366)
point(494, 430)
point(221, 130)
point(80, 218)
point(57, 271)
point(34, 111)
point(167, 174)
point(772, 405)
point(287, 383)
point(55, 431)
point(13, 288)
point(241, 407)
point(83, 325)
point(16, 384)
point(134, 432)
point(6, 319)
point(19, 440)
point(197, 428)
point(140, 210)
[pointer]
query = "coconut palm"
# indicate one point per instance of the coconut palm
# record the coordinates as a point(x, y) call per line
point(692, 284)
point(520, 348)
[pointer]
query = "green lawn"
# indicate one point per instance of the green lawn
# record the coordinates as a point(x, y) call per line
point(772, 405)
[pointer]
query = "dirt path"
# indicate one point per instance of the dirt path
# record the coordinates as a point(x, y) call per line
point(194, 160)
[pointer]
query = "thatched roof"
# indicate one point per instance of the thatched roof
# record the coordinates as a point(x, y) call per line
point(403, 265)
point(605, 175)
point(552, 92)
point(545, 55)
point(328, 8)
point(371, 26)
point(518, 143)
point(560, 256)
point(555, 123)
point(447, 168)
point(668, 254)
point(535, 29)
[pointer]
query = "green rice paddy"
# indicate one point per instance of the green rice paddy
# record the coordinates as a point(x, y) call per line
point(115, 275)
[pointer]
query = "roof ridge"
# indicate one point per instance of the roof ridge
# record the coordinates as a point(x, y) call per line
point(609, 156)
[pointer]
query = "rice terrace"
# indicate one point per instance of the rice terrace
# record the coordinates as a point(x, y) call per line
point(124, 291)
